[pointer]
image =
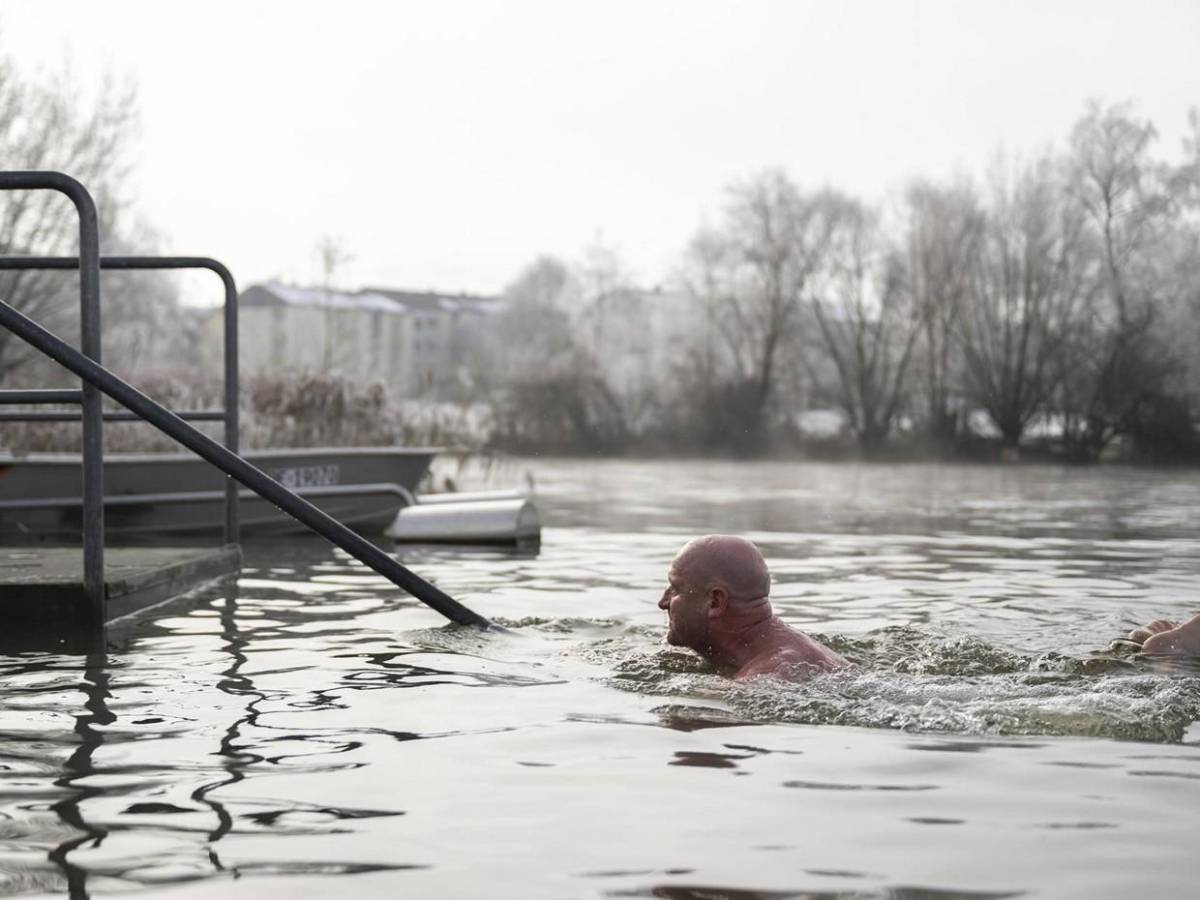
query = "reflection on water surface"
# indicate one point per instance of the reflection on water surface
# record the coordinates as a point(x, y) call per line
point(312, 732)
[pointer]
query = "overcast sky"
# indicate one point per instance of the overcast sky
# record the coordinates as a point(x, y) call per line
point(447, 144)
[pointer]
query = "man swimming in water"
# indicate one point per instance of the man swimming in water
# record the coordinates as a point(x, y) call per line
point(717, 604)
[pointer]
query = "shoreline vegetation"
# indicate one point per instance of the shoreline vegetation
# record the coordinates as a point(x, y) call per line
point(1049, 311)
point(305, 409)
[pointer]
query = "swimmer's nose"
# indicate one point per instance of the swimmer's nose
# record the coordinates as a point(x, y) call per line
point(662, 601)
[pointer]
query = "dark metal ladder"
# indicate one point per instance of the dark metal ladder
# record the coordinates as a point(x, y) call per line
point(96, 380)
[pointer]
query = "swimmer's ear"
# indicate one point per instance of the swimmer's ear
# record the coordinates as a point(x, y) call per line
point(718, 602)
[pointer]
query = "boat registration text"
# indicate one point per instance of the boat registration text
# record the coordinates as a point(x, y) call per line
point(308, 476)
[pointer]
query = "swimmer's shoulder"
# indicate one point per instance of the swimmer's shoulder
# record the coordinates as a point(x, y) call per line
point(791, 664)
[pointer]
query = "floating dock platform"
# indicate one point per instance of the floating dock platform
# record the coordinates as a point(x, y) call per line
point(42, 593)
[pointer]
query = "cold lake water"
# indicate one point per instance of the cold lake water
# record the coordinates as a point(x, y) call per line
point(314, 733)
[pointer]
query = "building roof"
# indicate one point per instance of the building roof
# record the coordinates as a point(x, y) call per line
point(431, 301)
point(370, 299)
point(275, 294)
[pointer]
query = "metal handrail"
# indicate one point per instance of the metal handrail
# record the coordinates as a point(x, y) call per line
point(92, 488)
point(231, 464)
point(160, 263)
point(54, 395)
point(191, 415)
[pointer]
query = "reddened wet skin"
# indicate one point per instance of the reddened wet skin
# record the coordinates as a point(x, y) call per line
point(687, 608)
point(1161, 636)
point(717, 604)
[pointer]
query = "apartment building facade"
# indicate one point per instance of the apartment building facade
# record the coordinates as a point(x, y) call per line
point(415, 342)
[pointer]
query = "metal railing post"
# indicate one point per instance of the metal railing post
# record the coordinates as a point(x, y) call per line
point(92, 489)
point(161, 263)
point(93, 414)
point(231, 397)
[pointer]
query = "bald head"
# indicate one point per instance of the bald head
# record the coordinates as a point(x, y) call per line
point(728, 561)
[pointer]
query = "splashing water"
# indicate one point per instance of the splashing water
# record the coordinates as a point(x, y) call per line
point(904, 678)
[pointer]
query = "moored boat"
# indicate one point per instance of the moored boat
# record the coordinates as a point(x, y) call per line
point(179, 493)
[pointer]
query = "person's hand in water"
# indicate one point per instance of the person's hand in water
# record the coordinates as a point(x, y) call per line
point(1139, 635)
point(1162, 636)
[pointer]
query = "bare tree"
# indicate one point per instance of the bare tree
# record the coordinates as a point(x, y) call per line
point(754, 271)
point(1185, 179)
point(700, 359)
point(614, 331)
point(943, 234)
point(332, 258)
point(1027, 292)
point(531, 334)
point(868, 324)
point(544, 385)
point(703, 282)
point(604, 282)
point(44, 126)
point(1119, 363)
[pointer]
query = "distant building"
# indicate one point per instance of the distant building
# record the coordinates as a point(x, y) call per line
point(443, 328)
point(413, 341)
point(637, 334)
